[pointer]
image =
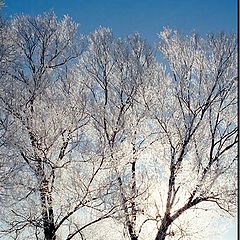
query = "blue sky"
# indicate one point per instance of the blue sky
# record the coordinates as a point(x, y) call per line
point(147, 17)
point(144, 16)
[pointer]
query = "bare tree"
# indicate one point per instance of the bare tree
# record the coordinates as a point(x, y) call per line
point(5, 122)
point(117, 73)
point(50, 140)
point(100, 129)
point(181, 120)
point(196, 112)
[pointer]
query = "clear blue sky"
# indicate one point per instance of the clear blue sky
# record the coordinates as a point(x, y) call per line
point(144, 16)
point(147, 17)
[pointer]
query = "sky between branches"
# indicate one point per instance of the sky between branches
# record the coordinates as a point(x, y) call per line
point(148, 17)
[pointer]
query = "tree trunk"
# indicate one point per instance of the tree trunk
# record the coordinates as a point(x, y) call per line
point(45, 196)
point(47, 212)
point(134, 237)
point(132, 234)
point(48, 223)
point(162, 232)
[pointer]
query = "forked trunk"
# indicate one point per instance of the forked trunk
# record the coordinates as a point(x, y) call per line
point(162, 232)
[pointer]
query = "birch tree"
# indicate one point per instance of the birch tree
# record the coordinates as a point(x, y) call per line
point(101, 129)
point(195, 108)
point(117, 71)
point(49, 142)
point(189, 107)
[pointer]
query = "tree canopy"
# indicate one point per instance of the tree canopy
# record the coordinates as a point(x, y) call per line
point(100, 138)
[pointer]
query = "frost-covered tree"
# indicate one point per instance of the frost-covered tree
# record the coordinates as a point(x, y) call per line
point(47, 142)
point(179, 131)
point(117, 72)
point(100, 131)
point(195, 109)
